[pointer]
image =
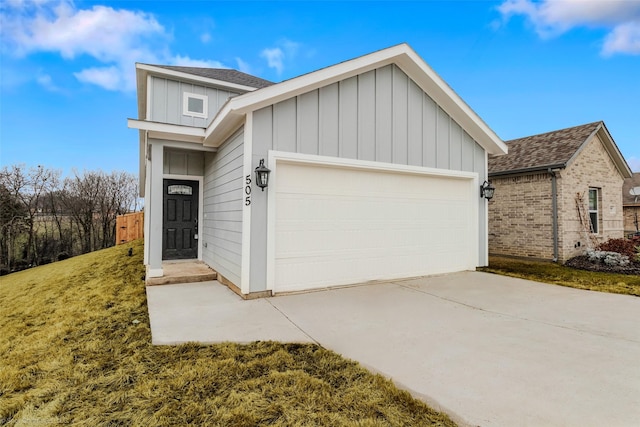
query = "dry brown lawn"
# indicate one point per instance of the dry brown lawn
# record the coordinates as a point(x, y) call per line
point(75, 349)
point(557, 274)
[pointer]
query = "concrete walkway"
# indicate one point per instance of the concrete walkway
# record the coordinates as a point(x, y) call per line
point(487, 349)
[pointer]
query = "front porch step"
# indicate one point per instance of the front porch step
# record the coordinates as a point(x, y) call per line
point(183, 272)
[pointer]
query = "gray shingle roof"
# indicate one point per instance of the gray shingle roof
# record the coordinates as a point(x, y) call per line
point(224, 74)
point(629, 183)
point(544, 150)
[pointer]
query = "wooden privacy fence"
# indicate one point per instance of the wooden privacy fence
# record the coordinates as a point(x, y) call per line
point(129, 227)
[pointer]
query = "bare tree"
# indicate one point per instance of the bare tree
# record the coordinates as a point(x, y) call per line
point(28, 188)
point(49, 218)
point(119, 198)
point(94, 200)
point(79, 198)
point(12, 215)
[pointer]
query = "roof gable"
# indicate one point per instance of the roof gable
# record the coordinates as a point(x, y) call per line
point(232, 114)
point(551, 149)
point(229, 79)
point(554, 150)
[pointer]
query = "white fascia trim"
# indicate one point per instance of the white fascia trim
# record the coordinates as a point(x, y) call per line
point(402, 55)
point(186, 76)
point(224, 124)
point(165, 128)
point(231, 114)
point(614, 152)
point(168, 132)
point(448, 99)
point(323, 77)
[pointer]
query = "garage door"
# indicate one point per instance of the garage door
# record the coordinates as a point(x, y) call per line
point(339, 225)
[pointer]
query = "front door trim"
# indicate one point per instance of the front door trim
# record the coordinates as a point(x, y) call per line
point(200, 181)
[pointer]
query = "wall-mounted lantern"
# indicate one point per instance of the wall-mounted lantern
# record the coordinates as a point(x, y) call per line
point(262, 175)
point(487, 190)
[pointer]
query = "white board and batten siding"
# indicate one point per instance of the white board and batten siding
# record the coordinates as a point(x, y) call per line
point(223, 203)
point(378, 116)
point(166, 104)
point(381, 115)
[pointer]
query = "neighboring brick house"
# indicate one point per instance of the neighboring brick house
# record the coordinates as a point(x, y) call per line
point(631, 204)
point(583, 167)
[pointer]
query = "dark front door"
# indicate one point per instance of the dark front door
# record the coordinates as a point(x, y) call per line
point(180, 219)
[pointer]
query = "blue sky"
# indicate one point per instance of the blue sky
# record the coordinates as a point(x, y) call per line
point(68, 81)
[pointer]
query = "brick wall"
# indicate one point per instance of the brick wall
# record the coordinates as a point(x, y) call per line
point(593, 168)
point(520, 220)
point(520, 214)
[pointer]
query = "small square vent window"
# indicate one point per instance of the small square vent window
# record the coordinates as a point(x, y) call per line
point(194, 105)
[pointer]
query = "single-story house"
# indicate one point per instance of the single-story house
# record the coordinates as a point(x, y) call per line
point(631, 204)
point(375, 168)
point(557, 193)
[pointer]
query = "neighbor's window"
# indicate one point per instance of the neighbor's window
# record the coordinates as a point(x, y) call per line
point(194, 105)
point(593, 209)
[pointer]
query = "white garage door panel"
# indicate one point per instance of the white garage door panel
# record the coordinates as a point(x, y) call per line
point(337, 226)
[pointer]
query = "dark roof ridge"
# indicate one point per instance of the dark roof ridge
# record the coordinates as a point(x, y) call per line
point(557, 130)
point(534, 152)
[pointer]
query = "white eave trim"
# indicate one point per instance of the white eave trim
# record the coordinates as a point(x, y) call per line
point(614, 152)
point(610, 147)
point(159, 71)
point(231, 114)
point(415, 67)
point(223, 125)
point(165, 130)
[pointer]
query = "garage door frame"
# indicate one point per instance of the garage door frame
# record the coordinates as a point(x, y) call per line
point(276, 158)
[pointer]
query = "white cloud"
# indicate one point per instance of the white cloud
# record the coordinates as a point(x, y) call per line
point(284, 51)
point(110, 78)
point(114, 38)
point(550, 18)
point(274, 57)
point(625, 38)
point(101, 32)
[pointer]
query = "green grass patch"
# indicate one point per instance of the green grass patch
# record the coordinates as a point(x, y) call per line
point(558, 274)
point(76, 349)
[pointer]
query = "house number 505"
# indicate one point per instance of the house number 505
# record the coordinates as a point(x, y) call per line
point(247, 190)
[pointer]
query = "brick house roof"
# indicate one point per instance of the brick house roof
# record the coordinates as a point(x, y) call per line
point(539, 152)
point(224, 74)
point(627, 198)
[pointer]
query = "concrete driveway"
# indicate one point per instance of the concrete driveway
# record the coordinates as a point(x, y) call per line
point(487, 349)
